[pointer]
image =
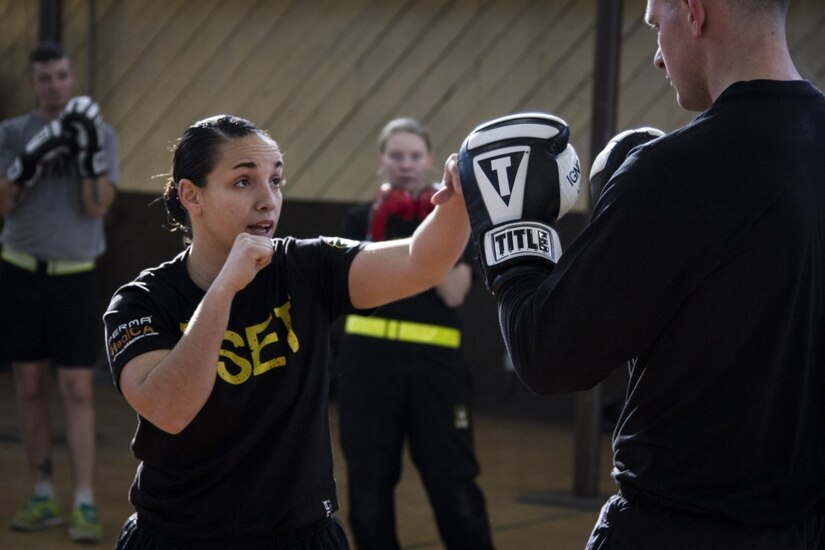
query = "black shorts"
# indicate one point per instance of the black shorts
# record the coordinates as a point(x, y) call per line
point(55, 317)
point(327, 535)
point(635, 525)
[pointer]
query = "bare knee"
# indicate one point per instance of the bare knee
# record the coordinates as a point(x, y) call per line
point(31, 380)
point(75, 385)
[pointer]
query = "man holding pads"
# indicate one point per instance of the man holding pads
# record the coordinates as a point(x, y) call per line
point(702, 269)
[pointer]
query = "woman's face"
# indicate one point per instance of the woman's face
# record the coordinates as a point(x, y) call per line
point(405, 161)
point(242, 193)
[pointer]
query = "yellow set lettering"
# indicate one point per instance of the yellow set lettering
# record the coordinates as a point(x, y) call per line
point(286, 318)
point(236, 366)
point(256, 345)
point(243, 366)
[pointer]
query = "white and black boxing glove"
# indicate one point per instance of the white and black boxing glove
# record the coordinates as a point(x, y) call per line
point(84, 124)
point(48, 143)
point(613, 156)
point(520, 175)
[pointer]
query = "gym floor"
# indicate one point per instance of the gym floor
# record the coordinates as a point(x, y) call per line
point(527, 472)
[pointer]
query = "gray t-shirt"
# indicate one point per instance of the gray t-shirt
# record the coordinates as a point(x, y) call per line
point(49, 222)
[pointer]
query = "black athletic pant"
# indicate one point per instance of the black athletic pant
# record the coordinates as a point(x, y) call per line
point(327, 535)
point(626, 525)
point(393, 398)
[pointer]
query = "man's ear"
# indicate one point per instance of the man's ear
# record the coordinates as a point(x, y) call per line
point(696, 16)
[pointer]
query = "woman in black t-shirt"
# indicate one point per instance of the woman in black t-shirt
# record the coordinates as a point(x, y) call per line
point(222, 351)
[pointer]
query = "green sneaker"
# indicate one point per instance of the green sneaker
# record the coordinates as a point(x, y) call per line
point(85, 525)
point(39, 513)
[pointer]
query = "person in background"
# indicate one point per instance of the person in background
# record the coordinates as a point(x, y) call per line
point(59, 166)
point(402, 376)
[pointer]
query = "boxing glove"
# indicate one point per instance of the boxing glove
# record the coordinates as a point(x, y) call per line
point(520, 175)
point(393, 214)
point(49, 142)
point(613, 156)
point(84, 124)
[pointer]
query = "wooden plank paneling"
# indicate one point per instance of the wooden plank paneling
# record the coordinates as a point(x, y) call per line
point(806, 36)
point(405, 76)
point(357, 90)
point(527, 51)
point(324, 76)
point(462, 81)
point(125, 32)
point(18, 31)
point(465, 86)
point(163, 78)
point(563, 66)
point(323, 84)
point(298, 49)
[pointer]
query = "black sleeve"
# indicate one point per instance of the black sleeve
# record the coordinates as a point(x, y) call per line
point(134, 326)
point(354, 222)
point(323, 264)
point(610, 293)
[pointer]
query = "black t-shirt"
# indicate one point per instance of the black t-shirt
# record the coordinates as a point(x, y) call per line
point(704, 267)
point(256, 461)
point(426, 307)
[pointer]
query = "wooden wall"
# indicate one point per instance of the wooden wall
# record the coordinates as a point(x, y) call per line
point(323, 75)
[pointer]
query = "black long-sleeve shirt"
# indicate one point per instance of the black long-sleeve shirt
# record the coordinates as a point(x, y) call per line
point(703, 269)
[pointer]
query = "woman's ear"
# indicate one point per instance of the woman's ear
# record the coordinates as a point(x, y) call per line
point(189, 195)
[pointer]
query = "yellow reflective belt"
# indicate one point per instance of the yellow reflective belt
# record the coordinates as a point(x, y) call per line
point(404, 331)
point(52, 267)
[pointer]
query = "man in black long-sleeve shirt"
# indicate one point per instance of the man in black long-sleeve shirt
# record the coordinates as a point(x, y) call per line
point(703, 270)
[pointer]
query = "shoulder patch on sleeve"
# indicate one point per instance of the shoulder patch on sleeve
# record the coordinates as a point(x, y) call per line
point(339, 242)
